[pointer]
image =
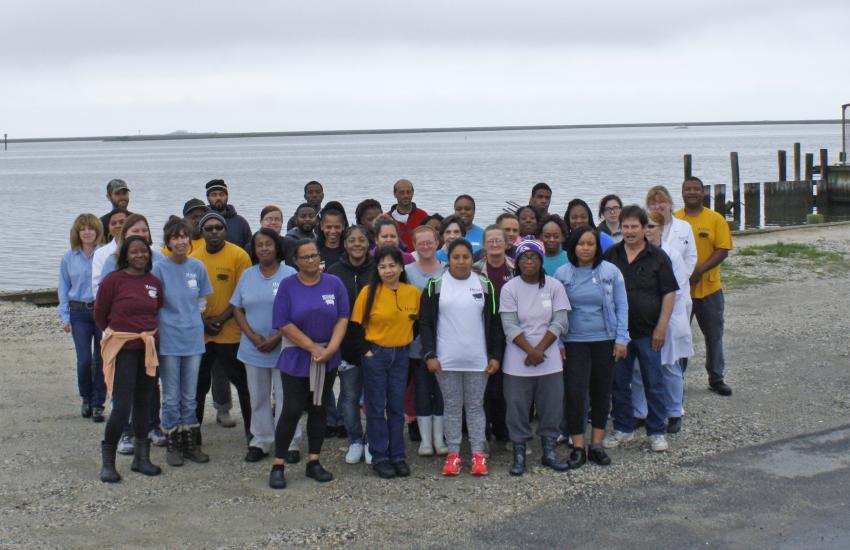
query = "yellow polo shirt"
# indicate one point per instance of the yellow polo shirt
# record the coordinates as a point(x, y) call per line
point(392, 316)
point(196, 244)
point(224, 268)
point(711, 232)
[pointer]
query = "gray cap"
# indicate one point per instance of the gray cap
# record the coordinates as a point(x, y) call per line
point(116, 185)
point(212, 216)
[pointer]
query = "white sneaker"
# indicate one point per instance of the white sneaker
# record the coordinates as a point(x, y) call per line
point(367, 454)
point(613, 439)
point(354, 454)
point(126, 445)
point(658, 443)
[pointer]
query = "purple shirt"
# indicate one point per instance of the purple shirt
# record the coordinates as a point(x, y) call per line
point(314, 310)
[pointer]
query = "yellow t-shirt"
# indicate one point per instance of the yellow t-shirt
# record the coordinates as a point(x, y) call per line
point(393, 312)
point(225, 267)
point(711, 232)
point(196, 244)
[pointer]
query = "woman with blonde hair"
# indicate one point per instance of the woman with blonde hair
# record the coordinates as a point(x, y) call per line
point(76, 303)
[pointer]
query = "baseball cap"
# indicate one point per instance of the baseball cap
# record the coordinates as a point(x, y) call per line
point(116, 185)
point(192, 204)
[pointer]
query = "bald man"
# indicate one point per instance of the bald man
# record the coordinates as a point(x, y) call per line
point(405, 213)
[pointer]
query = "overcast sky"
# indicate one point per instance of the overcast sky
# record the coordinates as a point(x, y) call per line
point(102, 68)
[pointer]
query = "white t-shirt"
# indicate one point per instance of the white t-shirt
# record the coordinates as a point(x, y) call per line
point(461, 345)
point(534, 306)
point(97, 262)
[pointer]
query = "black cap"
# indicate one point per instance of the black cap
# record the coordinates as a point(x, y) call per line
point(216, 185)
point(192, 204)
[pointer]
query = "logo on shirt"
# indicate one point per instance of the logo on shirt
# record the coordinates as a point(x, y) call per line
point(329, 299)
point(223, 277)
point(152, 291)
point(192, 280)
point(275, 285)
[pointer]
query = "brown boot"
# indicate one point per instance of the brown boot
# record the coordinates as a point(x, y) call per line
point(191, 435)
point(174, 447)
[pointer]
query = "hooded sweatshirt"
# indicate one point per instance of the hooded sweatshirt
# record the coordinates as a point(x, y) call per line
point(238, 230)
point(354, 279)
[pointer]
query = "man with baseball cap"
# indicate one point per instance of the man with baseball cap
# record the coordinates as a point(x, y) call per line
point(118, 194)
point(238, 230)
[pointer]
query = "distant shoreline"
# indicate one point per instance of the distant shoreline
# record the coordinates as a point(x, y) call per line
point(229, 135)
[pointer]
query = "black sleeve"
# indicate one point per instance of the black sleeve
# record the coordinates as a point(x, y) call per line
point(427, 325)
point(495, 334)
point(666, 278)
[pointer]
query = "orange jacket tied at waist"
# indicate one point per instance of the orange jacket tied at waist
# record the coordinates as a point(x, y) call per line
point(112, 343)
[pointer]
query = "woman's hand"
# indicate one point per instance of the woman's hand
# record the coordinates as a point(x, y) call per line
point(534, 357)
point(66, 327)
point(369, 354)
point(433, 365)
point(620, 351)
point(267, 344)
point(492, 366)
point(322, 354)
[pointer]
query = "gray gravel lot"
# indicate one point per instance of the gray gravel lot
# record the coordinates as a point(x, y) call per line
point(787, 353)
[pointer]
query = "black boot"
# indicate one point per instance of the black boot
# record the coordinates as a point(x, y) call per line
point(142, 458)
point(174, 447)
point(413, 430)
point(276, 477)
point(108, 473)
point(316, 471)
point(578, 458)
point(191, 437)
point(550, 458)
point(518, 467)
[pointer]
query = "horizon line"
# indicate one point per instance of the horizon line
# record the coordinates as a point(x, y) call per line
point(451, 129)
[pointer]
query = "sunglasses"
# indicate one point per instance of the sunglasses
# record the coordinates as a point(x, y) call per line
point(213, 228)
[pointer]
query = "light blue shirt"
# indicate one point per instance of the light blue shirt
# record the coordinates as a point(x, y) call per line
point(74, 281)
point(419, 279)
point(111, 263)
point(587, 318)
point(475, 236)
point(255, 294)
point(181, 328)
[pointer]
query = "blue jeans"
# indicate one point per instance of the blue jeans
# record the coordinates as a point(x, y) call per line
point(673, 377)
point(653, 382)
point(709, 313)
point(334, 415)
point(86, 337)
point(179, 378)
point(384, 384)
point(350, 390)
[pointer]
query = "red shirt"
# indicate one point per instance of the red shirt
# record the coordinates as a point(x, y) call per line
point(405, 229)
point(128, 303)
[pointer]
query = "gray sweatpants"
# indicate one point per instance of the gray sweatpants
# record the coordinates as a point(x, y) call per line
point(464, 391)
point(547, 394)
point(262, 382)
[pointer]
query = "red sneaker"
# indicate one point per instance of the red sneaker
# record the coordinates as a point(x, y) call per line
point(479, 464)
point(452, 465)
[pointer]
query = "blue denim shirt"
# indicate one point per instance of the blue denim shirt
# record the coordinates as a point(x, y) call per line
point(612, 286)
point(74, 281)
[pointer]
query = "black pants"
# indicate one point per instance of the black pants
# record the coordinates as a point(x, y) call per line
point(225, 355)
point(495, 409)
point(298, 398)
point(429, 398)
point(589, 368)
point(131, 389)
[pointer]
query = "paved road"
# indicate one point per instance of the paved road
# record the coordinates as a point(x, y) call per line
point(790, 494)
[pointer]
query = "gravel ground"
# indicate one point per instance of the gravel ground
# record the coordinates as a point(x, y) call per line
point(787, 356)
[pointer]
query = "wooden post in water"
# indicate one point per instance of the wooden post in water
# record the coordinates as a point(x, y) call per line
point(810, 164)
point(688, 166)
point(797, 161)
point(752, 205)
point(720, 199)
point(736, 187)
point(706, 199)
point(783, 165)
point(824, 163)
point(5, 142)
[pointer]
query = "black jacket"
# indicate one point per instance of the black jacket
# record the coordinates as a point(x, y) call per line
point(354, 279)
point(429, 313)
point(238, 230)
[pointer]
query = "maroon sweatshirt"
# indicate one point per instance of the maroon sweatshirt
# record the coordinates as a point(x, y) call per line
point(128, 303)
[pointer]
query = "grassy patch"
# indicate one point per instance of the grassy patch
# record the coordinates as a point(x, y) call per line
point(735, 278)
point(797, 251)
point(757, 265)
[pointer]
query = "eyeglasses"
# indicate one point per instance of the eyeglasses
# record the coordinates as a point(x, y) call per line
point(495, 241)
point(273, 219)
point(651, 225)
point(309, 257)
point(213, 228)
point(612, 209)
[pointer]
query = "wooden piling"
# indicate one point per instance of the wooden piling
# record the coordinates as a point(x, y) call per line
point(783, 166)
point(797, 161)
point(706, 199)
point(810, 165)
point(787, 202)
point(824, 163)
point(688, 166)
point(752, 205)
point(720, 199)
point(736, 187)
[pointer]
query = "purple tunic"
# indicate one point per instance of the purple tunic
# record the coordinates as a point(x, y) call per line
point(314, 310)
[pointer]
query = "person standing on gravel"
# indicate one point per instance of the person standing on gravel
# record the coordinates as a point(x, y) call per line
point(405, 213)
point(651, 291)
point(225, 263)
point(714, 241)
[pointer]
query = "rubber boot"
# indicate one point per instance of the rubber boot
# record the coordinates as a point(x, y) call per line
point(142, 458)
point(108, 473)
point(551, 459)
point(440, 447)
point(173, 447)
point(191, 435)
point(518, 467)
point(426, 430)
point(578, 458)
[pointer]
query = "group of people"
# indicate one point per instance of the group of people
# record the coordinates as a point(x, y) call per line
point(535, 324)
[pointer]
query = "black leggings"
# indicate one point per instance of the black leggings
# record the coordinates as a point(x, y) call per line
point(298, 398)
point(225, 355)
point(131, 388)
point(429, 398)
point(589, 368)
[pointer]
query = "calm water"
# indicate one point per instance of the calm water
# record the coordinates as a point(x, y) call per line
point(47, 185)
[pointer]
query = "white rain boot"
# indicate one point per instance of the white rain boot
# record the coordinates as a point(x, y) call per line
point(439, 439)
point(426, 447)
